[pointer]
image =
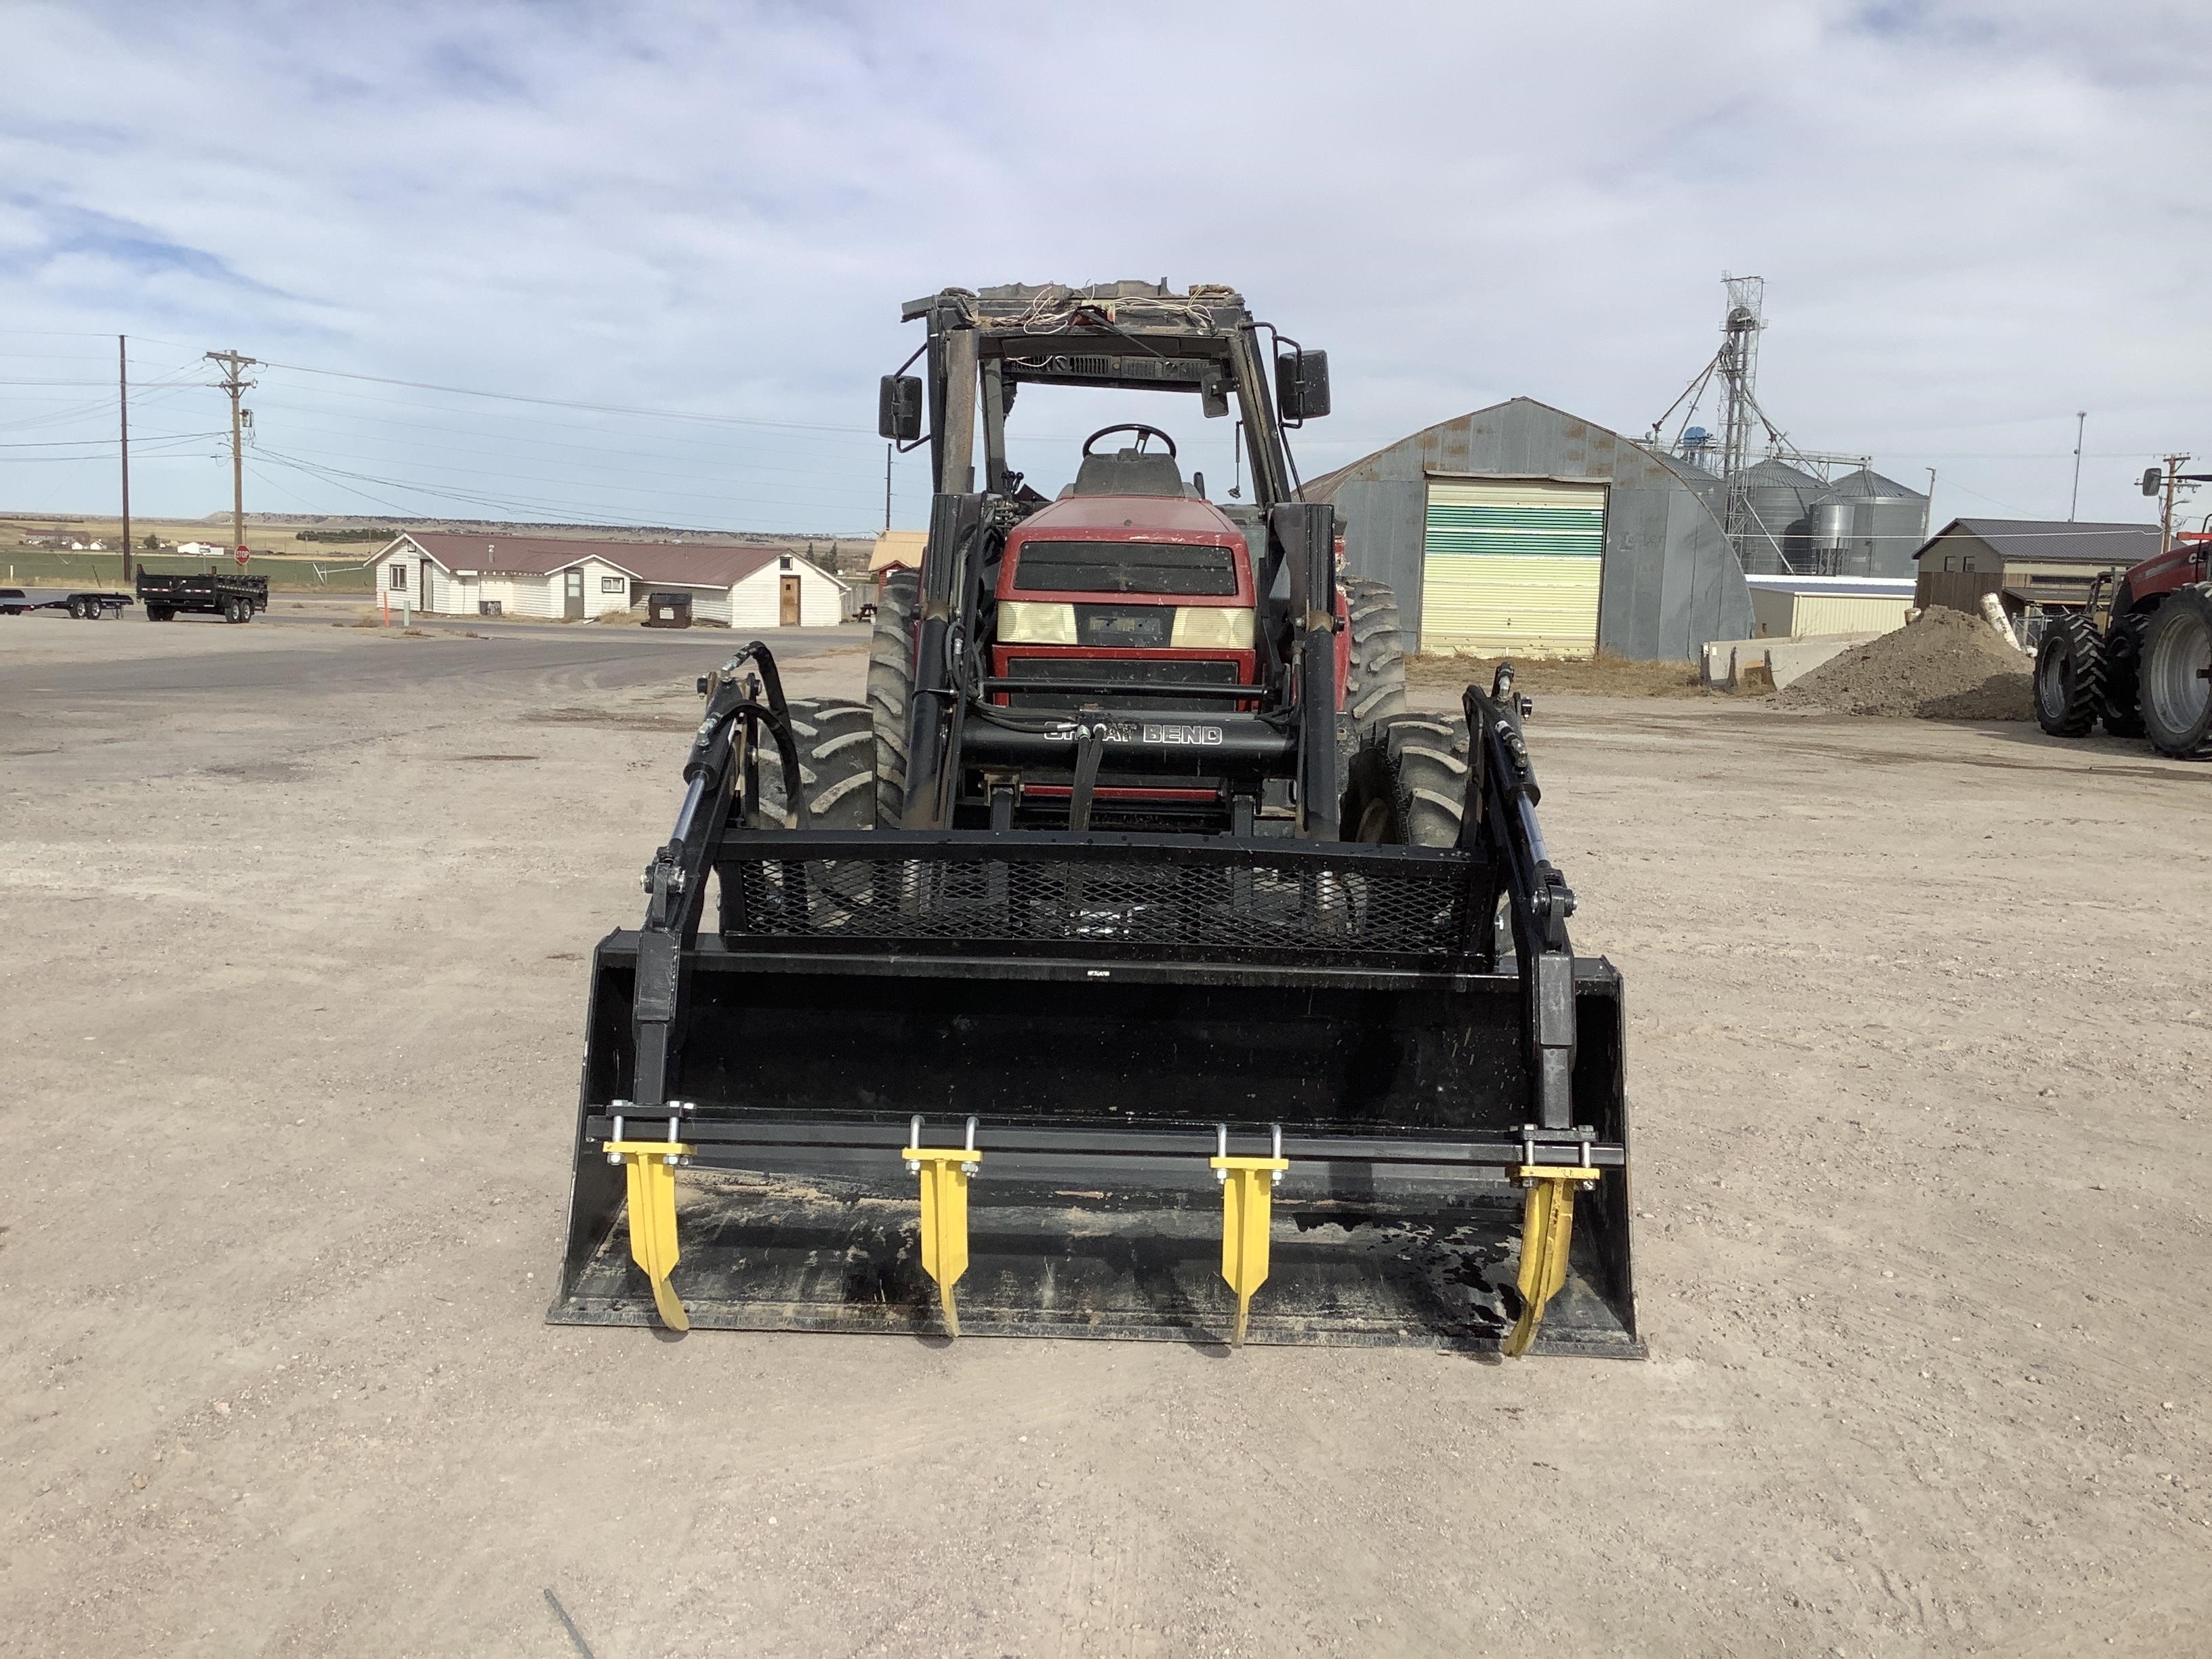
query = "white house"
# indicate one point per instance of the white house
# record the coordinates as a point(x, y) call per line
point(446, 573)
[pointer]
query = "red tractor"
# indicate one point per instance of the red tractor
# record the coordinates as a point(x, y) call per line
point(1133, 892)
point(2137, 656)
point(1133, 593)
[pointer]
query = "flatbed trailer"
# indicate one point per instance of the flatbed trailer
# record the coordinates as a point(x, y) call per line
point(87, 604)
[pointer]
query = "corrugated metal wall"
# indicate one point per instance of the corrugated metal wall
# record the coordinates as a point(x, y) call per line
point(1844, 613)
point(1669, 581)
point(1784, 614)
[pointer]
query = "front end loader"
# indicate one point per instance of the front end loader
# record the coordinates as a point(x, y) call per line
point(1133, 964)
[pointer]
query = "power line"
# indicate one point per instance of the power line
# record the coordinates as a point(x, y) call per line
point(565, 403)
point(461, 492)
point(144, 438)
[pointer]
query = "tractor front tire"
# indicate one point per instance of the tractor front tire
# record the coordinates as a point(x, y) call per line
point(836, 767)
point(2176, 674)
point(1375, 683)
point(890, 688)
point(1405, 785)
point(2069, 676)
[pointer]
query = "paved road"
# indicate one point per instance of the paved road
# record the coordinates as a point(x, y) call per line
point(308, 655)
point(115, 703)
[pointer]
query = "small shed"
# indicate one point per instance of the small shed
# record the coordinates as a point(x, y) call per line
point(896, 549)
point(1809, 607)
point(2030, 564)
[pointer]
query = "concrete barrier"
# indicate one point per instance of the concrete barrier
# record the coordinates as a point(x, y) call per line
point(1728, 663)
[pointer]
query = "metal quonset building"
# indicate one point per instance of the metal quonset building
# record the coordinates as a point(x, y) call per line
point(1523, 530)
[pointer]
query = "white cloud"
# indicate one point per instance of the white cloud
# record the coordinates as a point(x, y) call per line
point(1973, 219)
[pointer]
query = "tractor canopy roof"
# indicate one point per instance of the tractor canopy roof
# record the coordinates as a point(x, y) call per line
point(1130, 518)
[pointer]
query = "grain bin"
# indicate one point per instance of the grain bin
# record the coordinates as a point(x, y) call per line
point(1870, 524)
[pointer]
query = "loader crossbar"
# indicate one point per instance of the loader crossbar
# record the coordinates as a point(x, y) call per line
point(738, 1139)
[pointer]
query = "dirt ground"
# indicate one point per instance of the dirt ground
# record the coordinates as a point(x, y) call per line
point(295, 922)
point(1604, 676)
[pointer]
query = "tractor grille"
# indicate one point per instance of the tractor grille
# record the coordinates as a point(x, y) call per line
point(1407, 910)
point(1133, 670)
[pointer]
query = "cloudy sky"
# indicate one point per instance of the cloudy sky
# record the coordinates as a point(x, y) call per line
point(685, 231)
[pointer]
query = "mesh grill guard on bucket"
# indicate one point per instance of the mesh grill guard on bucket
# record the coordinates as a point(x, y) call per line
point(940, 892)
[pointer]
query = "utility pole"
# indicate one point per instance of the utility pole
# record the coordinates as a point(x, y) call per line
point(2174, 466)
point(123, 407)
point(1928, 507)
point(2073, 502)
point(233, 382)
point(888, 449)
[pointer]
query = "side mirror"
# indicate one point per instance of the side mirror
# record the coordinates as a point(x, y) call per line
point(1302, 385)
point(898, 408)
point(2152, 479)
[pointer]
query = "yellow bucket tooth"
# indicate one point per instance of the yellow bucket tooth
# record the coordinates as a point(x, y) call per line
point(652, 1217)
point(1547, 1226)
point(1248, 1203)
point(944, 1172)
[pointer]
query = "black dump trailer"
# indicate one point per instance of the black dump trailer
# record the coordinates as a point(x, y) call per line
point(234, 599)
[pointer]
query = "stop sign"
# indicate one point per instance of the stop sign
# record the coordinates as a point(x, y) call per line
point(242, 556)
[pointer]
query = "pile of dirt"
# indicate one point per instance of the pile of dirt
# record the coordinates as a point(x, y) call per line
point(1945, 666)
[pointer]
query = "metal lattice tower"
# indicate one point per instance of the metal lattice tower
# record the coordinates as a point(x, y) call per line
point(1737, 365)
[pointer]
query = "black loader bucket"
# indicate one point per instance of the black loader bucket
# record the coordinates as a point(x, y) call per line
point(1143, 1086)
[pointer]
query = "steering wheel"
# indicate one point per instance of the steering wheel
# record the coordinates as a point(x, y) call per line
point(1142, 431)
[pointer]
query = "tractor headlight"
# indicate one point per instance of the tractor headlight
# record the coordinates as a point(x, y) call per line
point(1214, 628)
point(1032, 622)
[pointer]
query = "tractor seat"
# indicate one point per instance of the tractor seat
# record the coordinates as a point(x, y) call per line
point(1127, 472)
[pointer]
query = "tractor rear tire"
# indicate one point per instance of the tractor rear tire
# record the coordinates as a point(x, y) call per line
point(2069, 676)
point(1374, 685)
point(1407, 782)
point(836, 768)
point(2123, 673)
point(890, 688)
point(2176, 674)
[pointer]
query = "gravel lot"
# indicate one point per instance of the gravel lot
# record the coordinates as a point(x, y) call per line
point(296, 927)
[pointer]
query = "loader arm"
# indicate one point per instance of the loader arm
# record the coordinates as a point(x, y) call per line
point(738, 710)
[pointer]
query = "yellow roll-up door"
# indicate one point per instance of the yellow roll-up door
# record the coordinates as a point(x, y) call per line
point(1512, 567)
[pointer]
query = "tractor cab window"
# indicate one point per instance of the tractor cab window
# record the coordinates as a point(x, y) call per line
point(1166, 567)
